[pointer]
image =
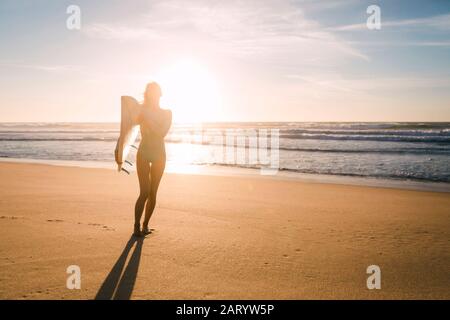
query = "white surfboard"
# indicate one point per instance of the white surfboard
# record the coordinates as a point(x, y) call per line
point(129, 129)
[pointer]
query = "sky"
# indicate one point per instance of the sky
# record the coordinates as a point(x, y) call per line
point(252, 60)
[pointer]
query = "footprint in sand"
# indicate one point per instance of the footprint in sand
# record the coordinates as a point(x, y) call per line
point(11, 217)
point(104, 227)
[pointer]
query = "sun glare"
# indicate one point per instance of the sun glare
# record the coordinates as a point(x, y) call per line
point(190, 91)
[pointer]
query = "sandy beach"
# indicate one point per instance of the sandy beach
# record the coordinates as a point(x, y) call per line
point(217, 237)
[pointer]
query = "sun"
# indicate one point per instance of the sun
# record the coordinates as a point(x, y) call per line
point(190, 91)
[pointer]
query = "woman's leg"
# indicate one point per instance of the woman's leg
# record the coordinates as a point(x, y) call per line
point(143, 172)
point(157, 170)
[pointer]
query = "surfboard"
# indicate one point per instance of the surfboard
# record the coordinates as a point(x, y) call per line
point(129, 130)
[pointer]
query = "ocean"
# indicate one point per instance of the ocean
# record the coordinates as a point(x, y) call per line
point(391, 151)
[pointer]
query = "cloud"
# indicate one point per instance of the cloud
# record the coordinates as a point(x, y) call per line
point(335, 82)
point(322, 5)
point(120, 32)
point(40, 67)
point(265, 30)
point(439, 22)
point(444, 43)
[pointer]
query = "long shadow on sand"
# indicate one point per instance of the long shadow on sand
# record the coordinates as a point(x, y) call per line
point(118, 286)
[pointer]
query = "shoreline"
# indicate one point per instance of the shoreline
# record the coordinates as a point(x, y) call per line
point(217, 170)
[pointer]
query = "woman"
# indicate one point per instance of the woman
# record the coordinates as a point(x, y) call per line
point(151, 156)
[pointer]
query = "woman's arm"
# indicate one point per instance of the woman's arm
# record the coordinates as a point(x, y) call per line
point(159, 124)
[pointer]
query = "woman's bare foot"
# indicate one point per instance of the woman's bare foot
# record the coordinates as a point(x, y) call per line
point(146, 230)
point(137, 231)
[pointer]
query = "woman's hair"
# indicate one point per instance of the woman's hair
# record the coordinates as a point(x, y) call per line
point(152, 92)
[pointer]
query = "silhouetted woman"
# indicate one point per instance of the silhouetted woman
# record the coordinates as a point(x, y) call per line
point(151, 156)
